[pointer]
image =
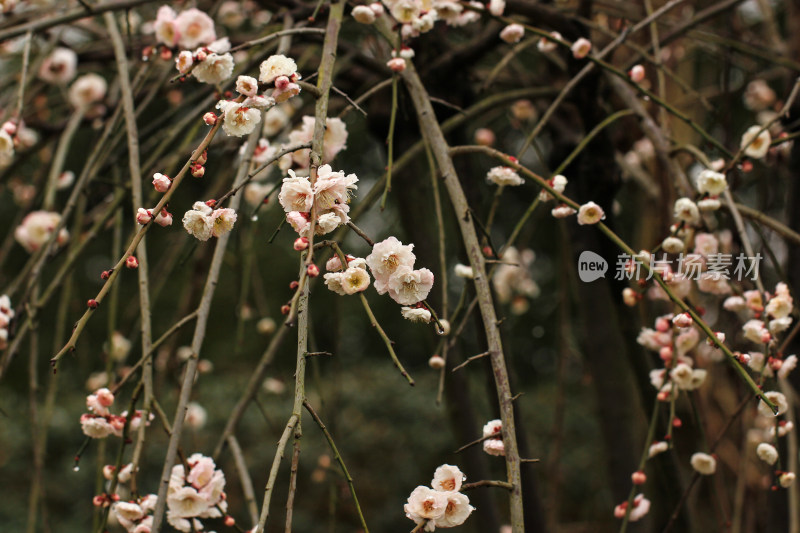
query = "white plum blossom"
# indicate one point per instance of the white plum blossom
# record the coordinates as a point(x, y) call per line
point(334, 139)
point(457, 510)
point(416, 314)
point(247, 85)
point(354, 280)
point(275, 66)
point(767, 453)
point(686, 210)
point(239, 120)
point(333, 280)
point(87, 90)
point(407, 286)
point(363, 14)
point(59, 66)
point(755, 144)
point(512, 33)
point(164, 26)
point(425, 503)
point(711, 182)
point(558, 183)
point(198, 222)
point(504, 176)
point(194, 28)
point(704, 463)
point(214, 69)
point(448, 478)
point(184, 61)
point(590, 213)
point(386, 257)
point(37, 228)
point(222, 221)
point(776, 398)
point(296, 194)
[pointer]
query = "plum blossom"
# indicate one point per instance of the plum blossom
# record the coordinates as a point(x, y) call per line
point(194, 28)
point(6, 148)
point(214, 69)
point(165, 28)
point(200, 494)
point(686, 210)
point(581, 48)
point(755, 144)
point(590, 213)
point(275, 66)
point(711, 182)
point(704, 463)
point(334, 139)
point(457, 510)
point(416, 314)
point(425, 503)
point(448, 478)
point(512, 33)
point(239, 120)
point(363, 14)
point(504, 176)
point(354, 280)
point(222, 221)
point(776, 398)
point(87, 90)
point(59, 66)
point(247, 85)
point(386, 257)
point(37, 228)
point(767, 453)
point(407, 286)
point(197, 221)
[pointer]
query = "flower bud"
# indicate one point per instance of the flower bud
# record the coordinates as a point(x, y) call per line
point(210, 118)
point(92, 304)
point(202, 158)
point(436, 362)
point(201, 55)
point(166, 54)
point(300, 244)
point(161, 182)
point(143, 216)
point(105, 274)
point(229, 521)
point(397, 64)
point(198, 170)
point(637, 73)
point(638, 478)
point(285, 309)
point(312, 270)
point(131, 262)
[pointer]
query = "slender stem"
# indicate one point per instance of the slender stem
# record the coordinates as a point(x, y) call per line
point(340, 460)
point(389, 344)
point(390, 144)
point(244, 478)
point(60, 157)
point(273, 471)
point(293, 479)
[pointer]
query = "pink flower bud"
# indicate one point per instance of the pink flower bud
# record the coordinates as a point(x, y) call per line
point(285, 309)
point(211, 203)
point(132, 262)
point(775, 364)
point(104, 397)
point(198, 170)
point(293, 285)
point(665, 353)
point(744, 358)
point(282, 83)
point(662, 324)
point(229, 521)
point(397, 64)
point(143, 216)
point(619, 510)
point(300, 244)
point(92, 304)
point(100, 500)
point(161, 182)
point(581, 48)
point(10, 127)
point(210, 118)
point(484, 136)
point(638, 478)
point(201, 160)
point(637, 73)
point(312, 270)
point(201, 55)
point(164, 218)
point(105, 274)
point(108, 472)
point(683, 320)
point(166, 54)
point(629, 297)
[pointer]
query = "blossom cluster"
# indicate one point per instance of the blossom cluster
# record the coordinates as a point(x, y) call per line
point(392, 265)
point(198, 494)
point(6, 314)
point(443, 505)
point(330, 196)
point(493, 446)
point(136, 516)
point(99, 423)
point(350, 280)
point(204, 222)
point(512, 279)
